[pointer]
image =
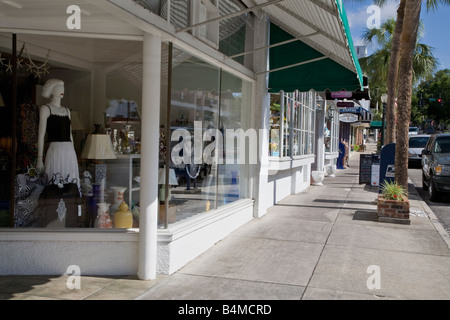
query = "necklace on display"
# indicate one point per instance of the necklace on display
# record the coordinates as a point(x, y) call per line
point(58, 110)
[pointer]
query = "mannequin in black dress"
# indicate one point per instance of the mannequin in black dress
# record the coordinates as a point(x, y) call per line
point(60, 198)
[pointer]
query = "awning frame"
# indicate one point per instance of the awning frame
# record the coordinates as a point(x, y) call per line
point(337, 11)
point(272, 45)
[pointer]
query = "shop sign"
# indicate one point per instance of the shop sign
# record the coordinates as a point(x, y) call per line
point(348, 117)
point(341, 95)
point(345, 104)
point(356, 110)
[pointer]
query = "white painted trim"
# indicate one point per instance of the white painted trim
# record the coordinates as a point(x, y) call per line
point(131, 37)
point(286, 163)
point(69, 235)
point(192, 224)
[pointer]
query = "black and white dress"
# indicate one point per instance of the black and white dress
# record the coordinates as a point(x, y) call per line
point(61, 159)
point(60, 200)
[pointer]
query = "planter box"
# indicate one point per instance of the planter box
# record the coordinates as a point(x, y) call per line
point(394, 211)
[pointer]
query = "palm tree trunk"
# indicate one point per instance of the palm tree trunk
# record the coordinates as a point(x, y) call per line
point(408, 41)
point(393, 74)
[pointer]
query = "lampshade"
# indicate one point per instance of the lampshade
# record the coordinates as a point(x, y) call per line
point(2, 103)
point(6, 144)
point(98, 147)
point(172, 177)
point(77, 124)
point(384, 98)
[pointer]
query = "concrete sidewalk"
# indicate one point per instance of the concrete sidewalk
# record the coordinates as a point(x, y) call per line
point(323, 243)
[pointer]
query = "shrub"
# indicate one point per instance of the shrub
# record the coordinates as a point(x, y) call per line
point(392, 191)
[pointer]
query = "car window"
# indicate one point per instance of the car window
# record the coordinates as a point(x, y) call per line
point(418, 142)
point(442, 145)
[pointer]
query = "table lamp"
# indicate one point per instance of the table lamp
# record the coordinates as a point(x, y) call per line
point(99, 148)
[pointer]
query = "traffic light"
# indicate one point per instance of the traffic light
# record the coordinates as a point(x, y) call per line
point(441, 102)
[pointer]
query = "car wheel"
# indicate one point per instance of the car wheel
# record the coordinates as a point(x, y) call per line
point(424, 185)
point(434, 194)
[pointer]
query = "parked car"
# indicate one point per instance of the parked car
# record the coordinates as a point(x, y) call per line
point(436, 166)
point(416, 144)
point(413, 130)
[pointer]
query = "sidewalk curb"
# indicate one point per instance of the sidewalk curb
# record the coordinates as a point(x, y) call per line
point(434, 220)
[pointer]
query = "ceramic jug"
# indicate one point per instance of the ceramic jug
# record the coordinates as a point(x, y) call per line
point(123, 218)
point(103, 220)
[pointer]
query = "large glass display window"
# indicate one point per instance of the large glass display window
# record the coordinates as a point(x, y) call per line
point(207, 105)
point(292, 124)
point(74, 156)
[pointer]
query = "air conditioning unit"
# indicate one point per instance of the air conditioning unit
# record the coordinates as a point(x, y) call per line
point(204, 10)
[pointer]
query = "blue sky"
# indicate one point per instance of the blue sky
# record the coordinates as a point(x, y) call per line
point(436, 23)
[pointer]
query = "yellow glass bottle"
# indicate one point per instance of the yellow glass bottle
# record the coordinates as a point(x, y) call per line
point(123, 218)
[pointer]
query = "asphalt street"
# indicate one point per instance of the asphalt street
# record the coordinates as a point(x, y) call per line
point(442, 208)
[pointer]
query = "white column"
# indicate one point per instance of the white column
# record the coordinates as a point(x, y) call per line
point(320, 146)
point(262, 190)
point(148, 221)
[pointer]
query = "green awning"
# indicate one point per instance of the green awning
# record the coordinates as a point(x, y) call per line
point(318, 72)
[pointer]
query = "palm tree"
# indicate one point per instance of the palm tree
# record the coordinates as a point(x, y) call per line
point(409, 33)
point(393, 74)
point(405, 69)
point(377, 65)
point(405, 35)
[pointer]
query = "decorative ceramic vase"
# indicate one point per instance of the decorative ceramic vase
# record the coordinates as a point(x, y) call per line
point(118, 198)
point(331, 169)
point(103, 220)
point(318, 177)
point(123, 218)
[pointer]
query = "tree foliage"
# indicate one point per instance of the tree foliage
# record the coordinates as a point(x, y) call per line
point(430, 91)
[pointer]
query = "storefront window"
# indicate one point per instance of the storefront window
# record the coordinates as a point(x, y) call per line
point(275, 125)
point(292, 124)
point(77, 131)
point(206, 103)
point(331, 128)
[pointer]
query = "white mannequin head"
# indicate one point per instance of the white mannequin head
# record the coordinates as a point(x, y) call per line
point(53, 88)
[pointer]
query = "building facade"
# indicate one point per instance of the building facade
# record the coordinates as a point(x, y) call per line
point(198, 114)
